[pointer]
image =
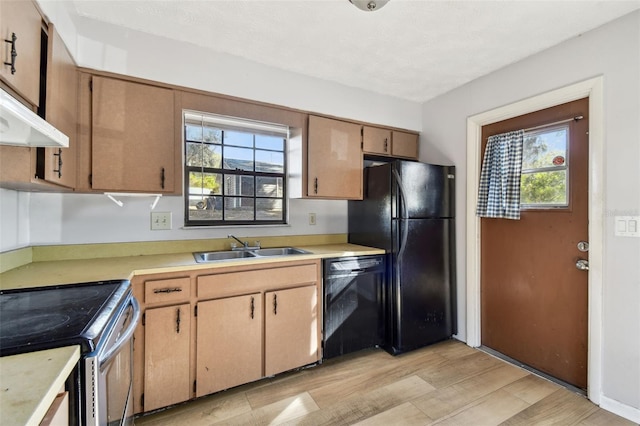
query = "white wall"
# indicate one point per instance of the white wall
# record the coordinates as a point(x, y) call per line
point(612, 51)
point(14, 219)
point(74, 218)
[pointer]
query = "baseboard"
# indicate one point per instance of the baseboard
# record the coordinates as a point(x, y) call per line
point(622, 410)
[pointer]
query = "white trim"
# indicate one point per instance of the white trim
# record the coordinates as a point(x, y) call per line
point(593, 88)
point(623, 410)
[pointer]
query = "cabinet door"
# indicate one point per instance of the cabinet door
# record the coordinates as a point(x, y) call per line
point(22, 19)
point(334, 159)
point(61, 111)
point(229, 343)
point(166, 356)
point(404, 145)
point(376, 140)
point(291, 326)
point(132, 136)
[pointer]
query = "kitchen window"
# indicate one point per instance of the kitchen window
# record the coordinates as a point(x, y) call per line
point(235, 171)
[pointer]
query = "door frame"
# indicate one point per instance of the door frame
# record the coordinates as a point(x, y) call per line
point(593, 89)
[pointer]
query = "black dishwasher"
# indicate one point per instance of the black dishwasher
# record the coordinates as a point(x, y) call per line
point(354, 315)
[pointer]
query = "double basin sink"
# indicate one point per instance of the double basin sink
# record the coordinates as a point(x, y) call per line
point(213, 256)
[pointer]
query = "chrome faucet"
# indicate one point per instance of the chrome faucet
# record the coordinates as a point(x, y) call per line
point(245, 244)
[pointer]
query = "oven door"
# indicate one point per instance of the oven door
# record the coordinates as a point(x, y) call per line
point(109, 373)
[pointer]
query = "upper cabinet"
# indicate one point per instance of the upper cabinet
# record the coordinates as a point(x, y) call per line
point(21, 32)
point(334, 159)
point(61, 110)
point(390, 143)
point(404, 145)
point(130, 127)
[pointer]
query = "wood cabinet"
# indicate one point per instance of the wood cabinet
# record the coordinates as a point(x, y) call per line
point(162, 345)
point(132, 140)
point(378, 141)
point(167, 337)
point(290, 334)
point(204, 331)
point(334, 159)
point(404, 144)
point(61, 111)
point(229, 347)
point(21, 19)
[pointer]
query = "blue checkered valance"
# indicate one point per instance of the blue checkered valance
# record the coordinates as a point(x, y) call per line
point(499, 192)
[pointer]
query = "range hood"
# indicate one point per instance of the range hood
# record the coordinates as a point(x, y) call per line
point(22, 127)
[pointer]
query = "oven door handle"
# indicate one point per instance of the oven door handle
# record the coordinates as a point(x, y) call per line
point(124, 338)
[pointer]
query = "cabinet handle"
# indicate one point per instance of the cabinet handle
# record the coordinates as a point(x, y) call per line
point(59, 170)
point(162, 178)
point(12, 42)
point(315, 186)
point(275, 304)
point(386, 144)
point(252, 307)
point(178, 320)
point(166, 290)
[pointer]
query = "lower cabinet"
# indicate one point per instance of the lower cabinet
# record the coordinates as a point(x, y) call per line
point(166, 356)
point(204, 331)
point(289, 329)
point(229, 350)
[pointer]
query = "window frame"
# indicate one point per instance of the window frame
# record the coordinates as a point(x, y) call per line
point(531, 207)
point(234, 124)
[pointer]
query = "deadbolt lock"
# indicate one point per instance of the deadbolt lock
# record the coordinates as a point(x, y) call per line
point(583, 246)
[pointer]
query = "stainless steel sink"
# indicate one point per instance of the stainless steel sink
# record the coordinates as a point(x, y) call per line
point(213, 256)
point(279, 251)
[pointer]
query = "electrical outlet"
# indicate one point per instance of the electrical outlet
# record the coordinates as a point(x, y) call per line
point(312, 218)
point(160, 220)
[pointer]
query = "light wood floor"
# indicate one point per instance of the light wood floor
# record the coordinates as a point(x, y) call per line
point(445, 384)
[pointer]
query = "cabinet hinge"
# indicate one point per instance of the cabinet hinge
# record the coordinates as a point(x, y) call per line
point(195, 311)
point(144, 318)
point(142, 401)
point(194, 386)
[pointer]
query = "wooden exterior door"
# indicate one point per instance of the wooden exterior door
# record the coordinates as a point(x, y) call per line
point(291, 324)
point(229, 348)
point(534, 298)
point(166, 360)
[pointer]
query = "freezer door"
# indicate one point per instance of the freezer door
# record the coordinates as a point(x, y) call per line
point(423, 281)
point(423, 190)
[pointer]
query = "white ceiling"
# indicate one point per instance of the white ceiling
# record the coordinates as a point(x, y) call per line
point(410, 49)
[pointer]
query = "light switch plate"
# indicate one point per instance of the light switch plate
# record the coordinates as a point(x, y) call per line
point(627, 226)
point(160, 220)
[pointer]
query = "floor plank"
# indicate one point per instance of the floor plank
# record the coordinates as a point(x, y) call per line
point(445, 384)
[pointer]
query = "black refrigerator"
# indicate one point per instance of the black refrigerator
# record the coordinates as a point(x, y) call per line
point(409, 210)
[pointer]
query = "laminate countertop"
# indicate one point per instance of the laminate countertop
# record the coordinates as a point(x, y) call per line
point(30, 382)
point(88, 270)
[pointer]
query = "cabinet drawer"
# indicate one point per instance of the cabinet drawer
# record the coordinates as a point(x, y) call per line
point(169, 290)
point(233, 283)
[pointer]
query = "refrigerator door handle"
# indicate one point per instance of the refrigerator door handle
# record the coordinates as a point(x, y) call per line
point(405, 231)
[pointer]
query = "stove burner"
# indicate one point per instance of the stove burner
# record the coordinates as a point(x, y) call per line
point(34, 324)
point(45, 317)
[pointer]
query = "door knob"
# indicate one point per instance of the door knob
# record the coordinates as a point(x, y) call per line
point(582, 264)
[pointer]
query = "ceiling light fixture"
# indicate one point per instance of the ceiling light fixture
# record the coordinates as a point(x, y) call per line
point(369, 5)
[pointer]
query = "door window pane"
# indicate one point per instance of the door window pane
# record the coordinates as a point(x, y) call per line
point(545, 168)
point(544, 188)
